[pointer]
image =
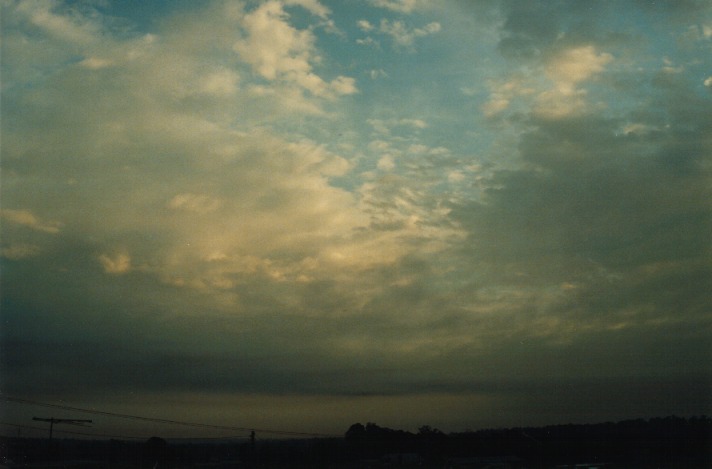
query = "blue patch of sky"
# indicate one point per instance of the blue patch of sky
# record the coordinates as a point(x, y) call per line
point(145, 16)
point(650, 46)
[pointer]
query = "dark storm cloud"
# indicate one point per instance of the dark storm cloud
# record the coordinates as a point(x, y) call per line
point(532, 29)
point(529, 27)
point(616, 224)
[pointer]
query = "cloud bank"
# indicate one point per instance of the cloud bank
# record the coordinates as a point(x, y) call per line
point(508, 224)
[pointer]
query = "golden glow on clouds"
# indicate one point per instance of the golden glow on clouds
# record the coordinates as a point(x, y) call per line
point(239, 198)
point(278, 51)
point(116, 264)
point(28, 219)
point(561, 94)
point(17, 251)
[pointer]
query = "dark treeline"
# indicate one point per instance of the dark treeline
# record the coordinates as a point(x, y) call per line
point(657, 442)
point(669, 442)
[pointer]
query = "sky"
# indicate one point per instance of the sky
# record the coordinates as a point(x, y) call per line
point(301, 214)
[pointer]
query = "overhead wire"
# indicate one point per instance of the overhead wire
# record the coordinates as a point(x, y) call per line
point(165, 421)
point(56, 430)
point(122, 437)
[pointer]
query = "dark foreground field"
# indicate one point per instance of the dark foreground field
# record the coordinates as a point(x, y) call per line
point(663, 443)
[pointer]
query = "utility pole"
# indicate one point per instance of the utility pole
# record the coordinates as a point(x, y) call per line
point(53, 420)
point(253, 452)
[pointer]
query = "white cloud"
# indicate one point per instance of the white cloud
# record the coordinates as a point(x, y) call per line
point(28, 219)
point(385, 126)
point(456, 176)
point(567, 71)
point(365, 25)
point(495, 105)
point(220, 83)
point(694, 33)
point(19, 251)
point(278, 51)
point(574, 66)
point(415, 123)
point(272, 46)
point(401, 6)
point(554, 104)
point(115, 265)
point(636, 128)
point(403, 35)
point(199, 203)
point(379, 126)
point(285, 100)
point(670, 68)
point(386, 163)
point(368, 41)
point(708, 82)
point(96, 63)
point(469, 91)
point(342, 85)
point(313, 6)
point(503, 93)
point(165, 156)
point(74, 29)
point(379, 145)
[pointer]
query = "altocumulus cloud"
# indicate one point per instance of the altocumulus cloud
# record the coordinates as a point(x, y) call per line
point(508, 224)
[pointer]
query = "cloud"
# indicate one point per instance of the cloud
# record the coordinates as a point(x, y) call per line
point(313, 6)
point(573, 66)
point(416, 123)
point(199, 203)
point(365, 25)
point(567, 70)
point(386, 126)
point(342, 85)
point(220, 83)
point(404, 36)
point(20, 251)
point(386, 163)
point(73, 29)
point(194, 200)
point(594, 211)
point(28, 219)
point(96, 63)
point(400, 6)
point(117, 264)
point(563, 95)
point(529, 28)
point(502, 94)
point(369, 41)
point(277, 50)
point(272, 46)
point(166, 154)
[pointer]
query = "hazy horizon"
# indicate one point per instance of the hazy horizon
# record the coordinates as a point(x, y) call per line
point(303, 214)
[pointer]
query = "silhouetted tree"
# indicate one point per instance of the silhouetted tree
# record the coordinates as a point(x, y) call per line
point(356, 430)
point(156, 453)
point(427, 430)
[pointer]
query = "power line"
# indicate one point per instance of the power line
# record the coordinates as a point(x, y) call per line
point(28, 427)
point(52, 421)
point(124, 437)
point(165, 421)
